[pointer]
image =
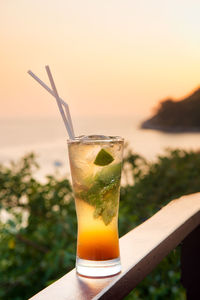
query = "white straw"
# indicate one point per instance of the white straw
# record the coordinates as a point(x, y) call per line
point(59, 102)
point(52, 93)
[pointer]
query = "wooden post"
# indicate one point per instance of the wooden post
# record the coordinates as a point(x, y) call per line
point(190, 264)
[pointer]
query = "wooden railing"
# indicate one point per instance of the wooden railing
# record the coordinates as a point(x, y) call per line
point(141, 250)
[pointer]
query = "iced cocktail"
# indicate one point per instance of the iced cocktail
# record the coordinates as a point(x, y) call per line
point(96, 163)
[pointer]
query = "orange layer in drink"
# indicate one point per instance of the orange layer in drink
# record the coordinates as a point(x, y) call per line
point(98, 245)
point(96, 241)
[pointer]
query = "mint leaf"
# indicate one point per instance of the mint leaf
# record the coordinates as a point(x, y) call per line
point(104, 193)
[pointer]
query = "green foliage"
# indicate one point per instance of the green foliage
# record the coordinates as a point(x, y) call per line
point(171, 176)
point(36, 251)
point(38, 237)
point(155, 184)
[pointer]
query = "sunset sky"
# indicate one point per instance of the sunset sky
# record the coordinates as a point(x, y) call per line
point(108, 57)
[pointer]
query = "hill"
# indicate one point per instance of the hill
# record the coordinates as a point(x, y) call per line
point(177, 116)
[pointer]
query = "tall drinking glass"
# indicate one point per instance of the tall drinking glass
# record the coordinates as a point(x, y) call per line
point(95, 163)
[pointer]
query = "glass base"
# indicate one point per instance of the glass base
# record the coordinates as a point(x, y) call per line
point(93, 268)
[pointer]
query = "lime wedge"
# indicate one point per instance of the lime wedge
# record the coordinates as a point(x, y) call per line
point(103, 158)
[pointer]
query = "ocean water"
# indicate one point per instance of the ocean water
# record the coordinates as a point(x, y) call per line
point(46, 137)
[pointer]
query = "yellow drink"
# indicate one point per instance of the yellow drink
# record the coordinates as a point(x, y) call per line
point(96, 170)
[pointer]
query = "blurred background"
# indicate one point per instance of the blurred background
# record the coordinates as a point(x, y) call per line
point(115, 63)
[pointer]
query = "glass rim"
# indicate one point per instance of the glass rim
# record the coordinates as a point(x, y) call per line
point(101, 139)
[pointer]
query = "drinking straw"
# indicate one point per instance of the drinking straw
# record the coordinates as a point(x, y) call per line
point(68, 121)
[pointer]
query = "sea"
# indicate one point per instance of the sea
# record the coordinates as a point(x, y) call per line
point(47, 138)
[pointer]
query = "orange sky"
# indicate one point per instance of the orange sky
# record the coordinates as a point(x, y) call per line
point(107, 57)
